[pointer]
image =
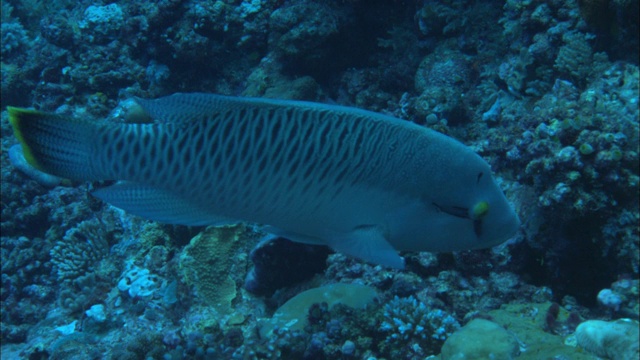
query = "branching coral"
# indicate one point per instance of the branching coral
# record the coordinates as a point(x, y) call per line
point(78, 264)
point(411, 323)
point(576, 59)
point(79, 251)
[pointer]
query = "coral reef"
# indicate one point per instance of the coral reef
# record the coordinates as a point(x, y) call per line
point(102, 23)
point(79, 251)
point(481, 339)
point(207, 262)
point(291, 314)
point(14, 38)
point(81, 267)
point(546, 91)
point(412, 325)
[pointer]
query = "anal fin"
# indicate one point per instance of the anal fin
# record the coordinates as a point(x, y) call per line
point(158, 205)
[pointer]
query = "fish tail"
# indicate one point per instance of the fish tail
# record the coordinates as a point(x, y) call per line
point(56, 144)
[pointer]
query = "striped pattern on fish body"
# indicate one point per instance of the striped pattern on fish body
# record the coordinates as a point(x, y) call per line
point(358, 181)
point(254, 163)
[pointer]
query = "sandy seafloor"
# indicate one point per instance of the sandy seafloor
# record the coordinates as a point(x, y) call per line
point(546, 91)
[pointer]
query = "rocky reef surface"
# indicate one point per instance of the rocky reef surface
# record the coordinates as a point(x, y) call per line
point(546, 91)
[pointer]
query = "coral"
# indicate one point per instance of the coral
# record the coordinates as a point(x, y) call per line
point(515, 72)
point(14, 38)
point(75, 346)
point(555, 82)
point(412, 325)
point(79, 251)
point(575, 59)
point(348, 349)
point(5, 12)
point(157, 74)
point(577, 158)
point(480, 339)
point(628, 290)
point(97, 313)
point(102, 23)
point(146, 345)
point(362, 92)
point(81, 293)
point(210, 18)
point(292, 314)
point(27, 292)
point(299, 29)
point(609, 299)
point(205, 263)
point(442, 18)
point(304, 35)
point(267, 80)
point(139, 283)
point(81, 265)
point(442, 78)
point(612, 340)
point(542, 48)
point(59, 31)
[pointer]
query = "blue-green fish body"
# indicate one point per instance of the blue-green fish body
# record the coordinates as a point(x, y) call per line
point(363, 183)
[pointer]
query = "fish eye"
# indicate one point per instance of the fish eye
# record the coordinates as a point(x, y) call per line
point(479, 177)
point(479, 210)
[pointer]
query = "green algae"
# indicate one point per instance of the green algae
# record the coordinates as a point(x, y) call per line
point(293, 313)
point(527, 323)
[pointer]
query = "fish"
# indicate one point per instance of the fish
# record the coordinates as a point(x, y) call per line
point(365, 184)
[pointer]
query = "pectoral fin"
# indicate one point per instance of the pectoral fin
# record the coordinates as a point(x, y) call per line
point(293, 236)
point(368, 243)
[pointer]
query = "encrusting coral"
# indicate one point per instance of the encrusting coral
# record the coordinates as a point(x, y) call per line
point(610, 339)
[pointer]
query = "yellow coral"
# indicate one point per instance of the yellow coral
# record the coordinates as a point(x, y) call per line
point(206, 261)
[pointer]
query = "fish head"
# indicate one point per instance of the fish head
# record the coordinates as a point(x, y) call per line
point(464, 210)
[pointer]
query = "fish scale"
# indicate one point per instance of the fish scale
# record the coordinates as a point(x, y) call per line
point(363, 183)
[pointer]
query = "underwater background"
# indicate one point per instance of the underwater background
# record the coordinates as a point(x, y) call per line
point(545, 90)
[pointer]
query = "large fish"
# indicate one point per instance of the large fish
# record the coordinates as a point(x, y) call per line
point(363, 183)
